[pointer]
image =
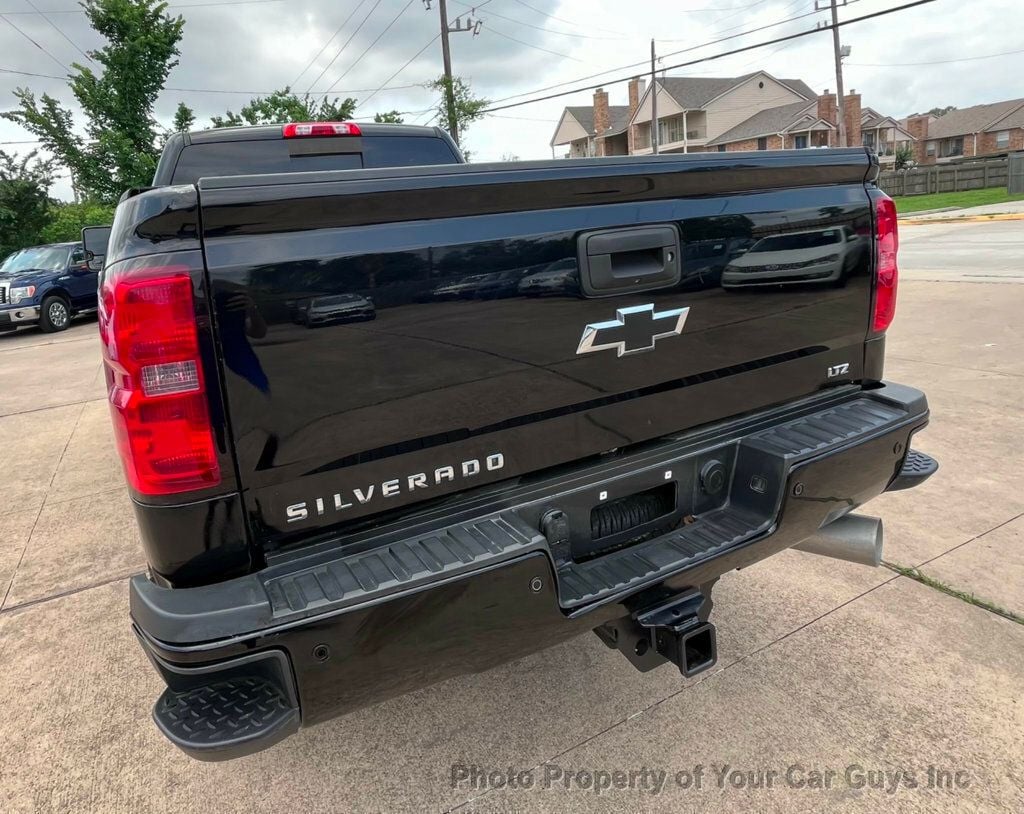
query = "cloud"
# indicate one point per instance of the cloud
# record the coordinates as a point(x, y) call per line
point(266, 45)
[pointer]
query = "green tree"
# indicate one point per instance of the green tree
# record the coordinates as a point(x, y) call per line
point(389, 117)
point(285, 106)
point(66, 220)
point(184, 119)
point(120, 146)
point(24, 200)
point(904, 156)
point(467, 107)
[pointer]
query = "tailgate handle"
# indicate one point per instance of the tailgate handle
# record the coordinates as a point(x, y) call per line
point(626, 261)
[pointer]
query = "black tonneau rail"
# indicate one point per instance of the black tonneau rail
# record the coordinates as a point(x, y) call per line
point(861, 164)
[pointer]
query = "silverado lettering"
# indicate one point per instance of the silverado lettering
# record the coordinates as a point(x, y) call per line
point(339, 500)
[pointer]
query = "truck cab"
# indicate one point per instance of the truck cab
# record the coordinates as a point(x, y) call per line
point(46, 286)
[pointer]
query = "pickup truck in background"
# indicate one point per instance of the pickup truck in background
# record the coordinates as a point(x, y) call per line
point(451, 473)
point(46, 286)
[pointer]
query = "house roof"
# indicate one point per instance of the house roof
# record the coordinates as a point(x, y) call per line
point(873, 121)
point(694, 92)
point(767, 122)
point(1014, 119)
point(971, 119)
point(618, 115)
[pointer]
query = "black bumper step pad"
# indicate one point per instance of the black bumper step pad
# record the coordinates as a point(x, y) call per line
point(917, 468)
point(818, 432)
point(579, 583)
point(225, 716)
point(404, 564)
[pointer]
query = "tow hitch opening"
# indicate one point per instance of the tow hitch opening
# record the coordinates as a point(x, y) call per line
point(676, 631)
point(692, 652)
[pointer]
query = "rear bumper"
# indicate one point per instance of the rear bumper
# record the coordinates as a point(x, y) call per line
point(482, 585)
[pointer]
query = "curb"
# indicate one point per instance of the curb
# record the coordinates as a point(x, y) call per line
point(912, 221)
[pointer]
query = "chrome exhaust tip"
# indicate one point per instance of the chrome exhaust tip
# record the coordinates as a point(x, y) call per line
point(853, 537)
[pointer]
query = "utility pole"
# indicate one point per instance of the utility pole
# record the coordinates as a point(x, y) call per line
point(837, 49)
point(446, 53)
point(654, 103)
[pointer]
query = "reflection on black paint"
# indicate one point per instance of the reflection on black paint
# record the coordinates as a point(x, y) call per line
point(815, 257)
point(239, 320)
point(454, 334)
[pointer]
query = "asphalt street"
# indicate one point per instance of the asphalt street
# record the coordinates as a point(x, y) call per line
point(966, 252)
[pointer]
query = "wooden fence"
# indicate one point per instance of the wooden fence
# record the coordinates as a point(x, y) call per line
point(946, 178)
point(1016, 184)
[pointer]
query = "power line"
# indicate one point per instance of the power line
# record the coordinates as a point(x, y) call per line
point(539, 27)
point(53, 25)
point(235, 92)
point(29, 73)
point(36, 44)
point(935, 62)
point(337, 31)
point(524, 118)
point(413, 58)
point(618, 35)
point(741, 50)
point(170, 5)
point(662, 56)
point(343, 47)
point(494, 30)
point(270, 92)
point(560, 19)
point(366, 50)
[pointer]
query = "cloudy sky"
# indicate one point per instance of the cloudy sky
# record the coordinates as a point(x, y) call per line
point(233, 49)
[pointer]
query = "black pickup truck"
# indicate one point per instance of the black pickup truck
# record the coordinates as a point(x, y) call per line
point(450, 471)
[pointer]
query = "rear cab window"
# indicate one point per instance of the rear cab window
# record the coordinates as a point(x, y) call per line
point(278, 155)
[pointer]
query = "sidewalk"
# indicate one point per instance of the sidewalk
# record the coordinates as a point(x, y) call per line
point(1011, 210)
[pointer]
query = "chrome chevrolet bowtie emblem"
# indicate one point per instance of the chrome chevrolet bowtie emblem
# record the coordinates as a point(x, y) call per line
point(634, 330)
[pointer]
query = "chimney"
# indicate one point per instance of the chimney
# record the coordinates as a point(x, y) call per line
point(600, 119)
point(851, 109)
point(827, 107)
point(634, 94)
point(636, 90)
point(600, 111)
point(917, 126)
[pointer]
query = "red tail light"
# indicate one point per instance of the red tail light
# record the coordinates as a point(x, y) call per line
point(308, 129)
point(155, 380)
point(886, 273)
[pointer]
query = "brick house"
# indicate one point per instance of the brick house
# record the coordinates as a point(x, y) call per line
point(696, 114)
point(788, 127)
point(883, 134)
point(591, 131)
point(694, 111)
point(987, 129)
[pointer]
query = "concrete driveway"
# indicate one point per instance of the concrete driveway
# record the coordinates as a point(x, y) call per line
point(837, 686)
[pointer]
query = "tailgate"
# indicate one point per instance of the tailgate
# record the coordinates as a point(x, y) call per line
point(393, 337)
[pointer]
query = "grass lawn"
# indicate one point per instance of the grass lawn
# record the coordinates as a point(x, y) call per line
point(973, 197)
